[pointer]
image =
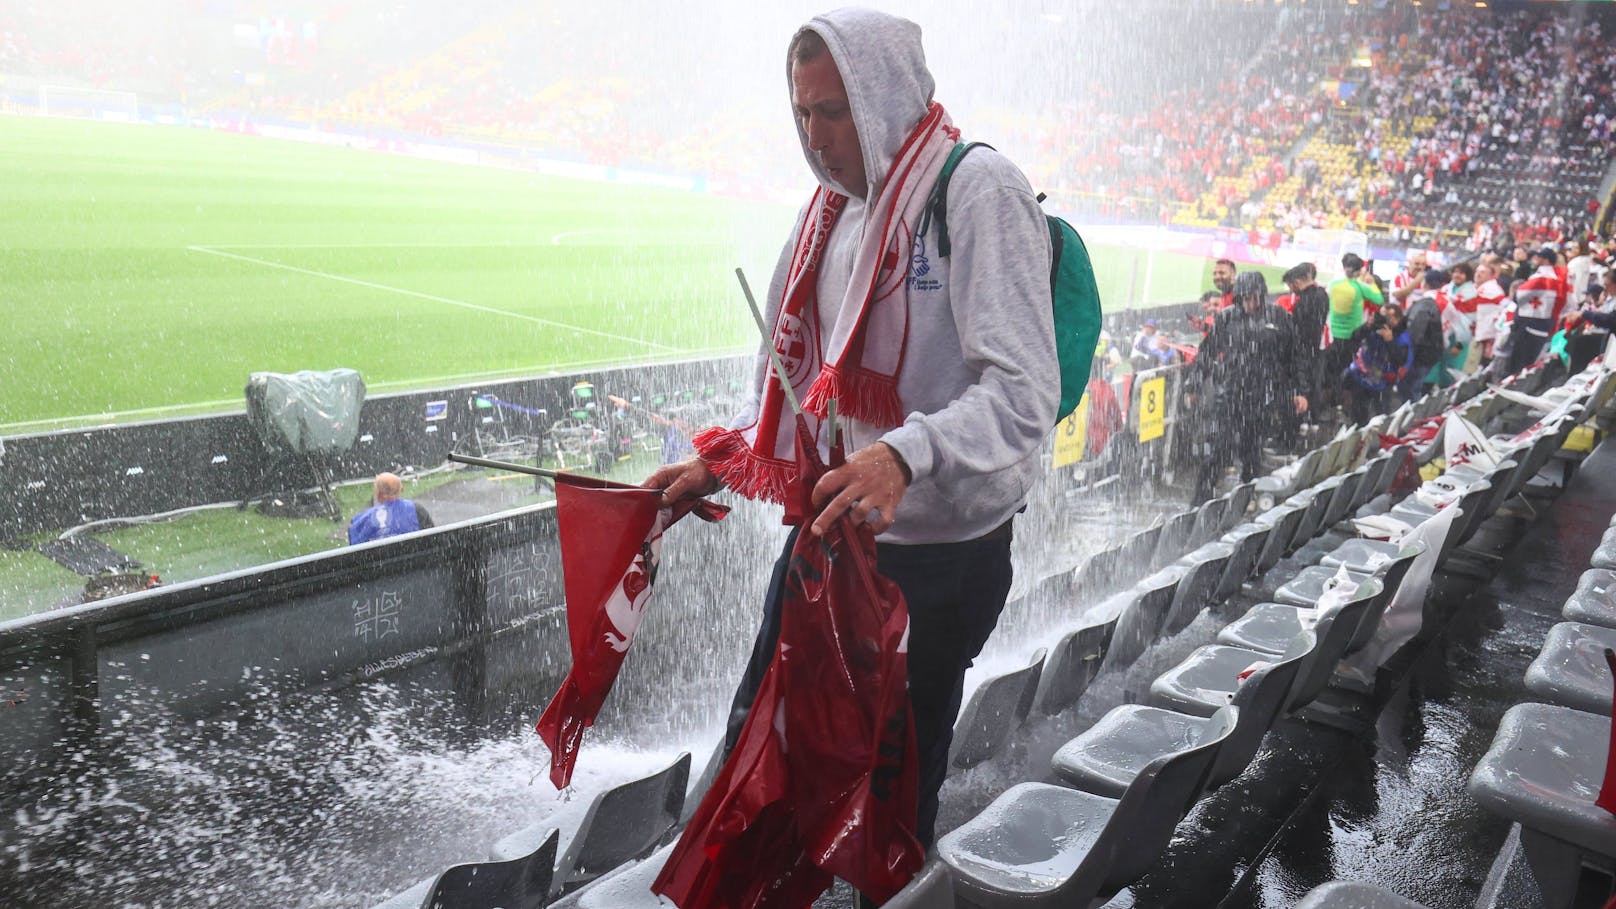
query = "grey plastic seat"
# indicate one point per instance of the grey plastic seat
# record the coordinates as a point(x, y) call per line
point(1239, 502)
point(1071, 666)
point(1270, 627)
point(1310, 583)
point(1140, 622)
point(1372, 556)
point(1544, 767)
point(1101, 571)
point(1594, 600)
point(1043, 845)
point(1284, 522)
point(1210, 520)
point(1571, 671)
point(522, 882)
point(995, 709)
point(623, 823)
point(1605, 555)
point(1248, 541)
point(1174, 539)
point(1137, 551)
point(1201, 573)
point(1109, 754)
point(1209, 677)
point(628, 887)
point(931, 888)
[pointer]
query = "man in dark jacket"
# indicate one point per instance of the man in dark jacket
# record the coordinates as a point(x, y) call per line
point(1424, 333)
point(1308, 318)
point(1250, 367)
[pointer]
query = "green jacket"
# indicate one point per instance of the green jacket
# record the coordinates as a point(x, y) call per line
point(1347, 298)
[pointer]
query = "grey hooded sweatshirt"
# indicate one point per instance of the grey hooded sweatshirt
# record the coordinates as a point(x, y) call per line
point(980, 379)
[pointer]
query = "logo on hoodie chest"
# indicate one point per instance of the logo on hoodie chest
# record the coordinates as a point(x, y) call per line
point(922, 277)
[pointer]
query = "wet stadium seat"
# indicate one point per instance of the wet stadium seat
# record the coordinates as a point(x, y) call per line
point(1284, 522)
point(1594, 600)
point(995, 709)
point(628, 887)
point(1210, 521)
point(522, 882)
point(932, 888)
point(1248, 541)
point(1544, 767)
point(1354, 895)
point(622, 823)
point(1071, 666)
point(1239, 502)
point(1309, 584)
point(1201, 573)
point(1175, 537)
point(1270, 627)
point(1109, 754)
point(1139, 622)
point(1043, 845)
point(1571, 670)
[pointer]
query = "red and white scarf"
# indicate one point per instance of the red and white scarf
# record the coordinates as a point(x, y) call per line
point(864, 354)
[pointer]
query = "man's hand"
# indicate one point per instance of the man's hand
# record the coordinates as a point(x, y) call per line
point(1573, 319)
point(1301, 404)
point(689, 479)
point(874, 479)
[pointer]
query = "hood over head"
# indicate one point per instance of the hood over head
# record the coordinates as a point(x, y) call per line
point(888, 85)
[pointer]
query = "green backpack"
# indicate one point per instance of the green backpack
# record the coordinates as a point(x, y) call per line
point(1071, 283)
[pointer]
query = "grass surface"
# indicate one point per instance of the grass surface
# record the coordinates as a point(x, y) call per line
point(148, 270)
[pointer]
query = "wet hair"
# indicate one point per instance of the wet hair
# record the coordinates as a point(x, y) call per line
point(806, 47)
point(1295, 273)
point(1217, 295)
point(1311, 269)
point(1435, 278)
point(1250, 284)
point(1352, 262)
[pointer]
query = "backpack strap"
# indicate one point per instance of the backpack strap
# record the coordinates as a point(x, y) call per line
point(937, 205)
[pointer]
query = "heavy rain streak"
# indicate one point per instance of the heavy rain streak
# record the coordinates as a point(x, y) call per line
point(266, 265)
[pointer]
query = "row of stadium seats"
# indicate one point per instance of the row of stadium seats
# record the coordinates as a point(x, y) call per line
point(1547, 759)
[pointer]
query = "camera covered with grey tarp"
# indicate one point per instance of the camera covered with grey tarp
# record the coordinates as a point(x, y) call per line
point(306, 413)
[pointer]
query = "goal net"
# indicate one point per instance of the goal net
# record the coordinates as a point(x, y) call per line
point(88, 103)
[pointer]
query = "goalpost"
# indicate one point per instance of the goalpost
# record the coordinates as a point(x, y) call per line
point(89, 103)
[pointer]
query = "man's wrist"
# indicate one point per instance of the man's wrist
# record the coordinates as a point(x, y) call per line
point(908, 474)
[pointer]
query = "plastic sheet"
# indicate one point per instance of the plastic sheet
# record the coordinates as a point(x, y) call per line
point(307, 412)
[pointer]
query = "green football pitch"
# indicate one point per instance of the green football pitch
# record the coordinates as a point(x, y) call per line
point(145, 271)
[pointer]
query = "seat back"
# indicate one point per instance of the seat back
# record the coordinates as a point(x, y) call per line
point(1139, 549)
point(994, 711)
point(932, 887)
point(1391, 579)
point(1316, 503)
point(1279, 541)
point(1335, 630)
point(1209, 521)
point(1260, 699)
point(521, 883)
point(625, 822)
point(1242, 563)
point(1239, 501)
point(1197, 585)
point(1388, 473)
point(1072, 665)
point(1175, 538)
point(1100, 571)
point(1341, 502)
point(1143, 821)
point(1139, 624)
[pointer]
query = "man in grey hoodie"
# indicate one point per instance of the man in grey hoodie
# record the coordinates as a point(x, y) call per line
point(976, 371)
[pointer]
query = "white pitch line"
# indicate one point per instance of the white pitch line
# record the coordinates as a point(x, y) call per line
point(469, 244)
point(432, 297)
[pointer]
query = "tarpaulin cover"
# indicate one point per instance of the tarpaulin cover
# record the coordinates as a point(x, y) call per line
point(611, 538)
point(822, 782)
point(306, 412)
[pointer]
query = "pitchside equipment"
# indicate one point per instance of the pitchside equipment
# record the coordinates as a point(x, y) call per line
point(1075, 294)
point(305, 420)
point(89, 103)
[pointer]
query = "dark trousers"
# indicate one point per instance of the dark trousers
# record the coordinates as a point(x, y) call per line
point(955, 592)
point(1232, 435)
point(1524, 345)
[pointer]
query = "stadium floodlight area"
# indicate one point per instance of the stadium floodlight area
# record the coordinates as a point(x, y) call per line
point(1324, 248)
point(88, 103)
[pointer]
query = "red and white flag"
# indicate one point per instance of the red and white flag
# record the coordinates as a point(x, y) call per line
point(611, 539)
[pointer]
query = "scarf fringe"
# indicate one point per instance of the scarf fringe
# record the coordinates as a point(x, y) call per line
point(869, 398)
point(741, 468)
